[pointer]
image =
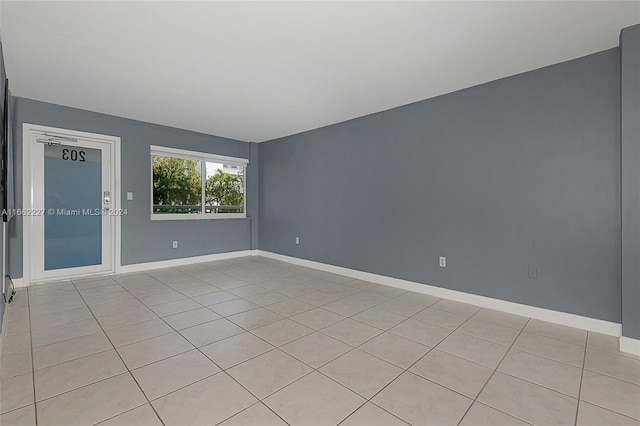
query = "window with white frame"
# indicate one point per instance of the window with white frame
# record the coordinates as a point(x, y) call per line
point(196, 185)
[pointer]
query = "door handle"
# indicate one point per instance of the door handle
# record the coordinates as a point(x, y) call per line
point(106, 200)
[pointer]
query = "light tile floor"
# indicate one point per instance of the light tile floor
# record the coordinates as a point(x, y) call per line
point(253, 341)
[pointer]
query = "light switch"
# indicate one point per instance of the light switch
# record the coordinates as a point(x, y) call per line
point(129, 196)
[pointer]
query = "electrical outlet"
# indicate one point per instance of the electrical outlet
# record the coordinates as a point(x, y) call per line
point(297, 240)
point(129, 196)
point(174, 244)
point(532, 272)
point(443, 262)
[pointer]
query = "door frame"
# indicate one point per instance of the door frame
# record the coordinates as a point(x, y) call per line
point(28, 130)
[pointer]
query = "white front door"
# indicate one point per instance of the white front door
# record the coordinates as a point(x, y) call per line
point(72, 218)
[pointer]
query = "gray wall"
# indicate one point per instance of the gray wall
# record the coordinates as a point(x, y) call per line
point(143, 240)
point(630, 132)
point(519, 172)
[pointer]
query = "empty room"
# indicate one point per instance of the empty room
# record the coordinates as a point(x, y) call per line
point(320, 213)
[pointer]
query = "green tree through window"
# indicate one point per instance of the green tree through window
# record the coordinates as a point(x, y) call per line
point(225, 189)
point(176, 182)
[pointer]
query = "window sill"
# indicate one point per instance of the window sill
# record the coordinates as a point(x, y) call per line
point(210, 216)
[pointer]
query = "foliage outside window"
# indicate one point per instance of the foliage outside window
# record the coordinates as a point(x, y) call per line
point(193, 187)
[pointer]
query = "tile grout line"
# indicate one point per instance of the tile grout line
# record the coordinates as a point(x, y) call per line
point(613, 412)
point(355, 319)
point(204, 378)
point(33, 368)
point(510, 374)
point(382, 331)
point(601, 373)
point(65, 340)
point(358, 346)
point(98, 322)
point(546, 357)
point(527, 352)
point(69, 360)
point(64, 323)
point(406, 370)
point(313, 369)
point(451, 331)
point(222, 370)
point(553, 338)
point(278, 347)
point(584, 358)
point(261, 400)
point(491, 376)
point(121, 360)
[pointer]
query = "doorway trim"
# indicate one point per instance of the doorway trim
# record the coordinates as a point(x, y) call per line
point(27, 194)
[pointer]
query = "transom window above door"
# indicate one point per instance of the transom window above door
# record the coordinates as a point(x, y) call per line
point(196, 185)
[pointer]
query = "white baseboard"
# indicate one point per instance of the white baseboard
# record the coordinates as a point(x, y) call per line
point(630, 346)
point(18, 282)
point(562, 318)
point(140, 267)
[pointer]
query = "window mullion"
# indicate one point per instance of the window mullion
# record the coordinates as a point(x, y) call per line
point(203, 182)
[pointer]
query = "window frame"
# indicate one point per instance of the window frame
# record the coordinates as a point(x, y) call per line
point(203, 157)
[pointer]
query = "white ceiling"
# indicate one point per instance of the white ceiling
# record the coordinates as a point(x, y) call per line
point(255, 71)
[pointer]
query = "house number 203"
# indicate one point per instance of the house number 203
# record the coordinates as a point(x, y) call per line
point(73, 155)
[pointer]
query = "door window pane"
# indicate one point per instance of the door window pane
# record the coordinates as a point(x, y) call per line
point(72, 200)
